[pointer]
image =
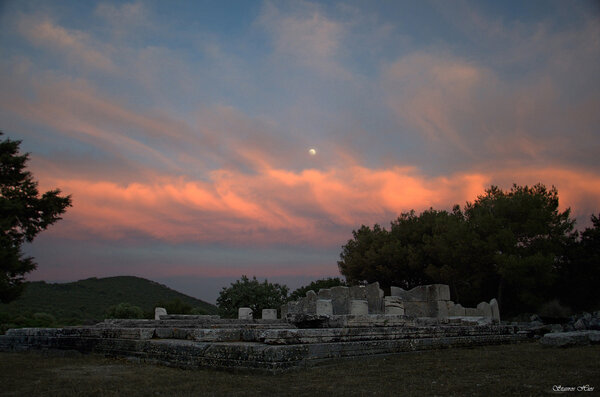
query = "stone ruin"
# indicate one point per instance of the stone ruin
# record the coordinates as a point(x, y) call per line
point(340, 322)
point(431, 301)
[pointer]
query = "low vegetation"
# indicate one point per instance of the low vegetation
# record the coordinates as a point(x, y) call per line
point(523, 369)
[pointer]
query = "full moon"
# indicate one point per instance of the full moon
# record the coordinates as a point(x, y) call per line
point(312, 151)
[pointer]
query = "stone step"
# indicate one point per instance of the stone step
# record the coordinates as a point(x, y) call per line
point(332, 335)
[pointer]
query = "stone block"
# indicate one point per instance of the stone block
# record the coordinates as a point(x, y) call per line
point(440, 309)
point(416, 309)
point(473, 312)
point(374, 296)
point(269, 314)
point(324, 293)
point(422, 293)
point(309, 303)
point(245, 313)
point(456, 310)
point(495, 310)
point(359, 307)
point(485, 309)
point(324, 307)
point(357, 292)
point(159, 311)
point(340, 300)
point(393, 305)
point(562, 339)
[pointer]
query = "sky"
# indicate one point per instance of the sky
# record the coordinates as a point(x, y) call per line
point(182, 129)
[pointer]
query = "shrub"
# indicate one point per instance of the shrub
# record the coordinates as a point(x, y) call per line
point(124, 310)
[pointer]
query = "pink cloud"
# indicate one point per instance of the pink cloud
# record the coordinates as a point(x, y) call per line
point(78, 46)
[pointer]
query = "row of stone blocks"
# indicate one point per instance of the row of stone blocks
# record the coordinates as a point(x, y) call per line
point(422, 301)
point(270, 350)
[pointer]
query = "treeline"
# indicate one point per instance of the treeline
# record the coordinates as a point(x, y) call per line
point(513, 245)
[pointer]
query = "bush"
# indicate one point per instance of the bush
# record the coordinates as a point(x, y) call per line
point(176, 306)
point(252, 294)
point(43, 320)
point(124, 310)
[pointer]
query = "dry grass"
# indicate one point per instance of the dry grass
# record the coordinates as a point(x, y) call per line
point(523, 370)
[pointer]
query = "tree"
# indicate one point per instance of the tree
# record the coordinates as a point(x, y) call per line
point(23, 214)
point(579, 276)
point(252, 294)
point(524, 238)
point(509, 245)
point(316, 286)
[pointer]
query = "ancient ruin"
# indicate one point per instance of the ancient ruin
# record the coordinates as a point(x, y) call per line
point(340, 322)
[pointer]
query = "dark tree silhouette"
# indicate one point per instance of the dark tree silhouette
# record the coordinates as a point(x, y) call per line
point(23, 214)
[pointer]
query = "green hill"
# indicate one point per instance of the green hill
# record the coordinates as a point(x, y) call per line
point(86, 301)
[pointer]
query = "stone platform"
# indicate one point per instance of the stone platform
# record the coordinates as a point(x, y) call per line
point(264, 345)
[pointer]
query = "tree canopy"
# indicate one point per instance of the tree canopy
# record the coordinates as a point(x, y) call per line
point(316, 286)
point(23, 214)
point(513, 245)
point(252, 294)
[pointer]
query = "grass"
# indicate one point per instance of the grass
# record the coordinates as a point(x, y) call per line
point(526, 369)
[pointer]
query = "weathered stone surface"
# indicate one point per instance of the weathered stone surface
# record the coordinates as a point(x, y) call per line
point(310, 303)
point(324, 293)
point(393, 305)
point(374, 296)
point(159, 311)
point(416, 309)
point(324, 307)
point(340, 300)
point(269, 314)
point(580, 324)
point(563, 339)
point(422, 293)
point(359, 307)
point(245, 313)
point(457, 310)
point(357, 292)
point(485, 309)
point(473, 312)
point(495, 310)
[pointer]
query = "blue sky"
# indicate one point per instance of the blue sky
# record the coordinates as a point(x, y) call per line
point(182, 129)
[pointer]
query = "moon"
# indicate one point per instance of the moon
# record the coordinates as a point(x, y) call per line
point(312, 151)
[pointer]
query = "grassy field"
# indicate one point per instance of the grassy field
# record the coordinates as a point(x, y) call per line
point(509, 370)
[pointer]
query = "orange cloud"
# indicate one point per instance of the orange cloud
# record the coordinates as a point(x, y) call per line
point(274, 206)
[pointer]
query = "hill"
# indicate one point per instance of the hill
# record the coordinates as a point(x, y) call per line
point(86, 301)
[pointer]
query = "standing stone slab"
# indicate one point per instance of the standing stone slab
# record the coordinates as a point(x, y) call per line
point(394, 291)
point(245, 313)
point(357, 292)
point(324, 307)
point(310, 303)
point(324, 293)
point(159, 311)
point(269, 314)
point(340, 300)
point(374, 296)
point(359, 307)
point(495, 310)
point(485, 309)
point(393, 305)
